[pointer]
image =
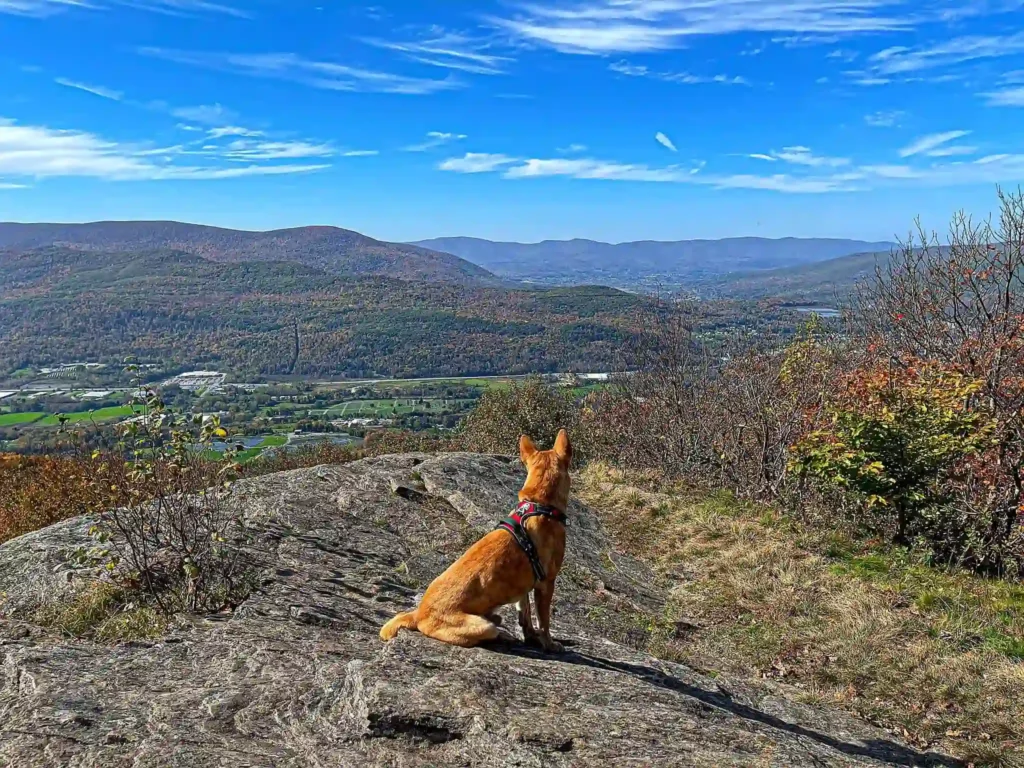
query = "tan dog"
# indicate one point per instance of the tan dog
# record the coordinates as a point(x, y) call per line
point(459, 606)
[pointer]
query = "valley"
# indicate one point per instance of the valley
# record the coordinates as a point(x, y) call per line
point(281, 413)
point(280, 337)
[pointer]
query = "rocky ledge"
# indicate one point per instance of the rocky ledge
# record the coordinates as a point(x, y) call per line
point(297, 676)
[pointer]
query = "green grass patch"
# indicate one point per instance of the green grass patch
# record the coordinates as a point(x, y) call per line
point(102, 414)
point(382, 409)
point(1005, 644)
point(13, 419)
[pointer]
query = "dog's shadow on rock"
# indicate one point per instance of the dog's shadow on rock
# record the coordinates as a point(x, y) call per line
point(877, 749)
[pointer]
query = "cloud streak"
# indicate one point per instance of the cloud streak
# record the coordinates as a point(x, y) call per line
point(801, 156)
point(40, 152)
point(931, 142)
point(436, 139)
point(901, 60)
point(807, 177)
point(95, 90)
point(44, 8)
point(632, 26)
point(448, 51)
point(680, 78)
point(1006, 97)
point(665, 141)
point(310, 72)
point(477, 162)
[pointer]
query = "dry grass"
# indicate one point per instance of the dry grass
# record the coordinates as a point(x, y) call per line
point(933, 656)
point(105, 613)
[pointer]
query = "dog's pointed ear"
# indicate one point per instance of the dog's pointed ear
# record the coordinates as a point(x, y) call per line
point(526, 449)
point(563, 448)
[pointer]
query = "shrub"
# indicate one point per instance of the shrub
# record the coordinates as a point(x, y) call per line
point(527, 408)
point(172, 536)
point(902, 440)
point(36, 492)
point(961, 307)
point(722, 422)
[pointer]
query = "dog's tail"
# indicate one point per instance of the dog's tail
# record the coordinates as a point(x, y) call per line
point(405, 620)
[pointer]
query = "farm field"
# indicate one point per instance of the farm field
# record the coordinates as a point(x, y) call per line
point(101, 414)
point(384, 408)
point(11, 419)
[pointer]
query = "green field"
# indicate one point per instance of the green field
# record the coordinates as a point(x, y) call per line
point(379, 409)
point(12, 419)
point(270, 441)
point(102, 414)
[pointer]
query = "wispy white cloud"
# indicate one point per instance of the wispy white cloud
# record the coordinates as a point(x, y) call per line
point(855, 178)
point(665, 141)
point(317, 74)
point(232, 130)
point(477, 162)
point(801, 156)
point(901, 59)
point(885, 119)
point(603, 170)
point(952, 150)
point(681, 78)
point(436, 139)
point(361, 153)
point(1006, 97)
point(931, 142)
point(207, 114)
point(449, 50)
point(95, 90)
point(246, 149)
point(28, 151)
point(573, 149)
point(622, 26)
point(842, 55)
point(43, 8)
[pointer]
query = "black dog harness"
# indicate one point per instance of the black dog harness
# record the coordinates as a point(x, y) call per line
point(515, 524)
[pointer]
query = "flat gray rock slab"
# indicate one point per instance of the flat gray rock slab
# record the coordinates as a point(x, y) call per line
point(297, 675)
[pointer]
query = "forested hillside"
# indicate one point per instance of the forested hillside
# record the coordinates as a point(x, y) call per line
point(60, 305)
point(337, 251)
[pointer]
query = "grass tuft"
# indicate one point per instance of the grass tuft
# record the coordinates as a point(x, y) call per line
point(105, 613)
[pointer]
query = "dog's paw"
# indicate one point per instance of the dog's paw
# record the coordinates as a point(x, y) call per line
point(551, 646)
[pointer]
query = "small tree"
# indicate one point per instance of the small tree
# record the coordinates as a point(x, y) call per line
point(173, 535)
point(896, 440)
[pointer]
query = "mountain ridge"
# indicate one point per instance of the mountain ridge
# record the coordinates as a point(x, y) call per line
point(640, 262)
point(333, 249)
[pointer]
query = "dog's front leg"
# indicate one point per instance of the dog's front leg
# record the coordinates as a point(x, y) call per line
point(543, 593)
point(526, 618)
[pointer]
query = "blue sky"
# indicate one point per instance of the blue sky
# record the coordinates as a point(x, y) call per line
point(608, 119)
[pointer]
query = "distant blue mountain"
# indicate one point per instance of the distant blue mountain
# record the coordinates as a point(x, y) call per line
point(681, 262)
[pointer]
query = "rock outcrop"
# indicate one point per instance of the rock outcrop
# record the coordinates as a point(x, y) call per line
point(297, 676)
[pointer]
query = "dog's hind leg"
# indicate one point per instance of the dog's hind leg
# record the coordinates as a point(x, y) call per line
point(463, 629)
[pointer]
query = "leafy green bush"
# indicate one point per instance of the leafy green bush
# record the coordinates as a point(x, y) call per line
point(905, 442)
